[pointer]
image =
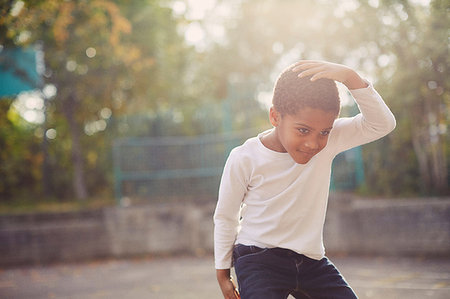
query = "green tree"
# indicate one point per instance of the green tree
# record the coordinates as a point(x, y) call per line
point(402, 47)
point(411, 64)
point(20, 155)
point(106, 59)
point(122, 68)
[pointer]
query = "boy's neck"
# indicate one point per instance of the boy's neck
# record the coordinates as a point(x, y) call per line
point(271, 142)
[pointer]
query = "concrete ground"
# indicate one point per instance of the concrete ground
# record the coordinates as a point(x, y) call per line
point(189, 277)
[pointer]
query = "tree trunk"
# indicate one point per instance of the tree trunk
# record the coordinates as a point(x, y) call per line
point(421, 155)
point(429, 150)
point(439, 171)
point(79, 183)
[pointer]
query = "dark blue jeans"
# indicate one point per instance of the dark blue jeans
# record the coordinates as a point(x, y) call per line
point(276, 272)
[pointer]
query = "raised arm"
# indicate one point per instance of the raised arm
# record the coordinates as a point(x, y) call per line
point(375, 120)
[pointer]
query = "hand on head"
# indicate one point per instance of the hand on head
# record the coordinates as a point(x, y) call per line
point(328, 70)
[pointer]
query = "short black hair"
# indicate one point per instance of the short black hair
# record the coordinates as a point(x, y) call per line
point(292, 93)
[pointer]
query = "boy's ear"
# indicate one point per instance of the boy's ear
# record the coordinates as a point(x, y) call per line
point(274, 117)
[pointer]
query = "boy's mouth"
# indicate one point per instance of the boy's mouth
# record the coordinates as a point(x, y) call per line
point(308, 153)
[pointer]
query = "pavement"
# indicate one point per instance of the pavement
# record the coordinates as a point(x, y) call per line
point(190, 277)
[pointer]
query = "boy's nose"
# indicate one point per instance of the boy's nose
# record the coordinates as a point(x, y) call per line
point(312, 143)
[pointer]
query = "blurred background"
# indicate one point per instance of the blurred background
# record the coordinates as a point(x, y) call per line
point(102, 81)
point(116, 117)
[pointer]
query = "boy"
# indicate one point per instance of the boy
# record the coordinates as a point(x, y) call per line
point(274, 189)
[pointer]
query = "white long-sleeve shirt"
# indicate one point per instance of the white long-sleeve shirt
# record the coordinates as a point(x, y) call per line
point(268, 200)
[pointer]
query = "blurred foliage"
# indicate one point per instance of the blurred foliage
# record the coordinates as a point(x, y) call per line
point(20, 155)
point(27, 204)
point(402, 46)
point(414, 42)
point(123, 68)
point(99, 69)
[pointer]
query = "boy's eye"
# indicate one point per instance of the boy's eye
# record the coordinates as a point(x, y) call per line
point(303, 130)
point(325, 133)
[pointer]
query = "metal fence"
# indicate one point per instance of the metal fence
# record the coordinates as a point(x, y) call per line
point(164, 167)
point(184, 168)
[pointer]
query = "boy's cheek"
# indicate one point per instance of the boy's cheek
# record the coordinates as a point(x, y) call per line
point(324, 143)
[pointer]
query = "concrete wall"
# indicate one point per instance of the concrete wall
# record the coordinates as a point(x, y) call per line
point(394, 227)
point(388, 227)
point(45, 238)
point(159, 229)
point(112, 232)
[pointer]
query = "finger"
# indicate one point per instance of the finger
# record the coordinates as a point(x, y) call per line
point(305, 66)
point(230, 291)
point(232, 295)
point(302, 64)
point(311, 71)
point(303, 61)
point(319, 75)
point(229, 295)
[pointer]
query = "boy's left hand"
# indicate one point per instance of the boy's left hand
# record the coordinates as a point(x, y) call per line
point(328, 70)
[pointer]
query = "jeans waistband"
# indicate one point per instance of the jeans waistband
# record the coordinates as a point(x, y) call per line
point(277, 250)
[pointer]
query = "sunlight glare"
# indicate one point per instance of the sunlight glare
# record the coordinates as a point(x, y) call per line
point(421, 2)
point(344, 7)
point(194, 33)
point(51, 134)
point(374, 3)
point(49, 91)
point(30, 106)
point(91, 52)
point(33, 116)
point(17, 8)
point(105, 113)
point(179, 7)
point(197, 9)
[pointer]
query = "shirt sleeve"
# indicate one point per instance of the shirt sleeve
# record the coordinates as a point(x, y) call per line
point(374, 121)
point(233, 187)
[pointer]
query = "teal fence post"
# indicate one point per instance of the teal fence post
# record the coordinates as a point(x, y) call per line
point(117, 172)
point(359, 167)
point(227, 121)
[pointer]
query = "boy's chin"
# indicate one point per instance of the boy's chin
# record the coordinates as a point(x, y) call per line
point(303, 162)
point(303, 158)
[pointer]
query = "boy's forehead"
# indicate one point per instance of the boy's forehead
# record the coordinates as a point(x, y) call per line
point(313, 117)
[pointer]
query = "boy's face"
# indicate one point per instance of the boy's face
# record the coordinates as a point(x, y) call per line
point(303, 134)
